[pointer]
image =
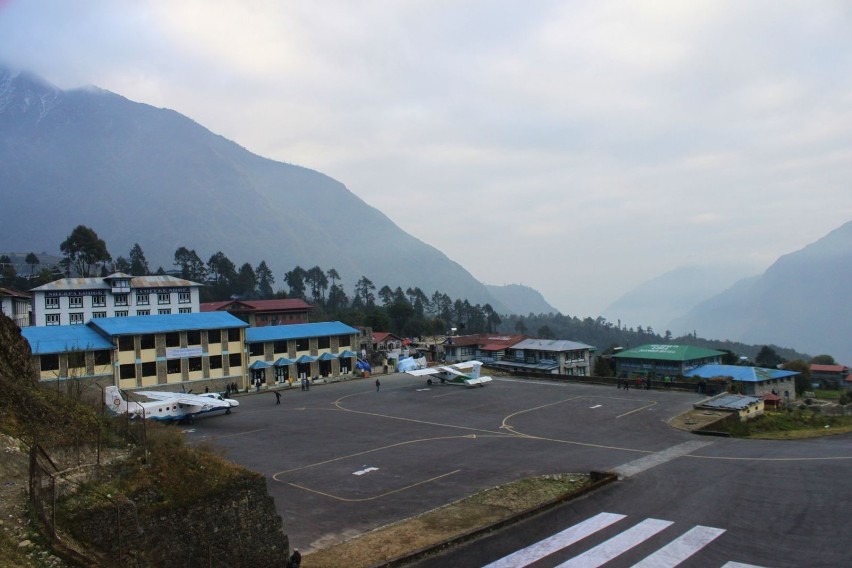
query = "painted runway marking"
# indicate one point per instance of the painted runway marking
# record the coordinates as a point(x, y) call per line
point(647, 462)
point(596, 406)
point(617, 545)
point(363, 471)
point(739, 565)
point(560, 540)
point(681, 548)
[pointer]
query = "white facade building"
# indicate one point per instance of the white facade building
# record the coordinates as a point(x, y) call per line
point(70, 301)
point(15, 305)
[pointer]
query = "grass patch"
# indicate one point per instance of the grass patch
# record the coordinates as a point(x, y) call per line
point(826, 394)
point(477, 511)
point(797, 424)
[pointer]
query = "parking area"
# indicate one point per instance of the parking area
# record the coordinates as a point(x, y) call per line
point(344, 458)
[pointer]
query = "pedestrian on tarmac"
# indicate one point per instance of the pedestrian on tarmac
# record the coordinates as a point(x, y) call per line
point(378, 385)
point(277, 397)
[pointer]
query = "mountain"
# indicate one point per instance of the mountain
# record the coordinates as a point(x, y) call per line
point(520, 299)
point(667, 297)
point(139, 174)
point(801, 301)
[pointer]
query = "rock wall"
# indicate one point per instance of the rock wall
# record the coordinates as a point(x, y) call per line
point(237, 527)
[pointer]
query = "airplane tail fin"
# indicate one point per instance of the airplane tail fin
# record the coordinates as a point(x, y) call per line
point(474, 374)
point(114, 401)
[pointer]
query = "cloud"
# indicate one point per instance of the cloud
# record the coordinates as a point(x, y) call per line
point(595, 144)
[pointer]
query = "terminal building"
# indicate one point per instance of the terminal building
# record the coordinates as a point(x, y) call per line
point(663, 360)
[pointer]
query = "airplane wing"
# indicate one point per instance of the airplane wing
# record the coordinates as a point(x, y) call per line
point(427, 371)
point(183, 398)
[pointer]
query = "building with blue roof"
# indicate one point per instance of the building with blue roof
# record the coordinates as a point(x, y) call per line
point(164, 351)
point(755, 381)
point(279, 354)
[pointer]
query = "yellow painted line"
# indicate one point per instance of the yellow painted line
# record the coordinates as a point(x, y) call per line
point(407, 487)
point(379, 449)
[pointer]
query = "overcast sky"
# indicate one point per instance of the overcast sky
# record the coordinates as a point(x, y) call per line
point(581, 148)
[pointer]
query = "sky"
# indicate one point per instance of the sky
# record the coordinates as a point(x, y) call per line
point(577, 147)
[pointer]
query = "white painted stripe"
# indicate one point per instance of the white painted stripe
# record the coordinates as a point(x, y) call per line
point(596, 406)
point(363, 471)
point(560, 540)
point(657, 458)
point(739, 565)
point(619, 544)
point(681, 548)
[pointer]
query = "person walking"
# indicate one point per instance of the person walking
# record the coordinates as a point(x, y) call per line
point(627, 384)
point(277, 397)
point(303, 383)
point(378, 385)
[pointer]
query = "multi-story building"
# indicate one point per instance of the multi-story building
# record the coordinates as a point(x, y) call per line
point(557, 356)
point(152, 351)
point(283, 353)
point(15, 305)
point(663, 360)
point(72, 301)
point(755, 381)
point(485, 347)
point(259, 313)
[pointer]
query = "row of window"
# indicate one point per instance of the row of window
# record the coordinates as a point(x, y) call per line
point(173, 366)
point(147, 341)
point(76, 360)
point(302, 344)
point(77, 317)
point(99, 300)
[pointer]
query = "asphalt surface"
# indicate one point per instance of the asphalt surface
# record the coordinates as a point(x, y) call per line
point(343, 459)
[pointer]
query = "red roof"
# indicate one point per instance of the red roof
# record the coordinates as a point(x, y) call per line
point(379, 336)
point(842, 369)
point(771, 397)
point(486, 341)
point(287, 304)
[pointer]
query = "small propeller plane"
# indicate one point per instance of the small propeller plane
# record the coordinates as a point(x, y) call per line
point(167, 406)
point(466, 373)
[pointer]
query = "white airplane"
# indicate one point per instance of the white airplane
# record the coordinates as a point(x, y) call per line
point(466, 373)
point(167, 406)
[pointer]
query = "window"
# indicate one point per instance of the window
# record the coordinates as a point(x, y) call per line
point(193, 338)
point(324, 342)
point(143, 312)
point(120, 299)
point(184, 310)
point(173, 339)
point(49, 362)
point(214, 336)
point(125, 343)
point(142, 298)
point(101, 358)
point(51, 319)
point(164, 298)
point(235, 360)
point(164, 311)
point(76, 360)
point(173, 366)
point(280, 346)
point(127, 371)
point(216, 362)
point(147, 341)
point(194, 363)
point(51, 303)
point(303, 344)
point(149, 369)
point(255, 349)
point(76, 318)
point(343, 340)
point(98, 315)
point(99, 301)
point(121, 313)
point(184, 298)
point(233, 334)
point(75, 302)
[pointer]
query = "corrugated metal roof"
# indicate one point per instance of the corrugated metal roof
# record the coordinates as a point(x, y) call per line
point(13, 293)
point(484, 339)
point(257, 305)
point(156, 281)
point(296, 331)
point(730, 401)
point(556, 345)
point(740, 373)
point(668, 353)
point(135, 325)
point(529, 366)
point(64, 339)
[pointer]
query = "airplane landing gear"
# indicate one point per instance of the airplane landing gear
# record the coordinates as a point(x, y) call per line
point(429, 382)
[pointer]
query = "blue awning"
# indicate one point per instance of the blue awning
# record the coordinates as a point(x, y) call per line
point(259, 365)
point(283, 362)
point(327, 357)
point(306, 359)
point(347, 354)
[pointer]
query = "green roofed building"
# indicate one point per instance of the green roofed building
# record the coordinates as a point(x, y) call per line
point(663, 360)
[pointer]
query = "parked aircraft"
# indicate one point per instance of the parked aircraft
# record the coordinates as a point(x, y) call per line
point(166, 406)
point(466, 373)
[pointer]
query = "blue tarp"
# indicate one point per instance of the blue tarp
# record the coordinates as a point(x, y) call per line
point(362, 365)
point(408, 364)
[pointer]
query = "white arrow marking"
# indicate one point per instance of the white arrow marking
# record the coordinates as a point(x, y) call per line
point(363, 471)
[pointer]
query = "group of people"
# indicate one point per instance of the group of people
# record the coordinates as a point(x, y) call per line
point(640, 383)
point(230, 390)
